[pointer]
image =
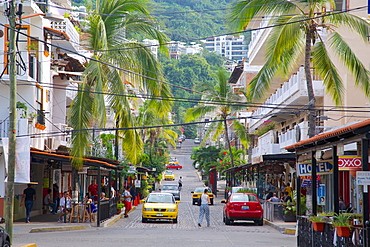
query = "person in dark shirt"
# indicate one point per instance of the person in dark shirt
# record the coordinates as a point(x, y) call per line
point(29, 196)
point(287, 197)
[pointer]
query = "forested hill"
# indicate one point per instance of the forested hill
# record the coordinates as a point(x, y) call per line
point(186, 20)
point(189, 20)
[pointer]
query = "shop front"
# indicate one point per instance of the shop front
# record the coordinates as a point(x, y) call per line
point(328, 166)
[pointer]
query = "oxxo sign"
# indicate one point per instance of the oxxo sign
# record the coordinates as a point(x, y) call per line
point(346, 163)
point(321, 168)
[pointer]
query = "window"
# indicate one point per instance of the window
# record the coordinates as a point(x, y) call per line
point(39, 105)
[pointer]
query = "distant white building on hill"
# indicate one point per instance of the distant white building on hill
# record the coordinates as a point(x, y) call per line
point(234, 48)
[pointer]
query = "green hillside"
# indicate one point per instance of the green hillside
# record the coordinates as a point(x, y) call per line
point(191, 20)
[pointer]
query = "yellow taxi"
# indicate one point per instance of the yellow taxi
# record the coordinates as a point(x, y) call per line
point(160, 206)
point(169, 175)
point(199, 191)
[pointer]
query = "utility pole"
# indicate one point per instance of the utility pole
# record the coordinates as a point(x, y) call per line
point(9, 196)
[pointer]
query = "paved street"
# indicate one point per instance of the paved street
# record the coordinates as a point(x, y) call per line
point(131, 232)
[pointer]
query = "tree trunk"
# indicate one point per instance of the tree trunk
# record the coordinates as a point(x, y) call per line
point(310, 92)
point(228, 143)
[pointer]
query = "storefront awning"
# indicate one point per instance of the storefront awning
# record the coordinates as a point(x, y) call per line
point(90, 161)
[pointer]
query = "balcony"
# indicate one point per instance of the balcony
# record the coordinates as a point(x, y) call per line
point(294, 135)
point(293, 92)
point(256, 47)
point(22, 127)
point(68, 28)
point(266, 145)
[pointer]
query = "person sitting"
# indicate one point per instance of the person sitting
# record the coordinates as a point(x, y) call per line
point(102, 197)
point(65, 205)
point(274, 198)
point(48, 202)
point(342, 205)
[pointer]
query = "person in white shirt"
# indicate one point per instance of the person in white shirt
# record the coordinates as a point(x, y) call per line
point(180, 183)
point(204, 208)
point(65, 204)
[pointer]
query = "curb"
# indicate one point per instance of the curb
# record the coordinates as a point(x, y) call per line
point(289, 231)
point(55, 229)
point(115, 218)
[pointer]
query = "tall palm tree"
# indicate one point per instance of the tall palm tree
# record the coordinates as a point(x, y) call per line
point(303, 29)
point(219, 103)
point(109, 27)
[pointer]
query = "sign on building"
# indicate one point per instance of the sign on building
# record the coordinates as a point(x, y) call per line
point(321, 168)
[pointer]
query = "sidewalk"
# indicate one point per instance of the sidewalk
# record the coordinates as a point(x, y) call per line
point(283, 227)
point(49, 223)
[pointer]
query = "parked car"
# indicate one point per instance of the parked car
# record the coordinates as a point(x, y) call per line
point(173, 166)
point(196, 141)
point(160, 206)
point(199, 191)
point(171, 188)
point(242, 206)
point(5, 239)
point(169, 175)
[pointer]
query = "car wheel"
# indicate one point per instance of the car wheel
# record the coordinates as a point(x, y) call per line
point(211, 201)
point(6, 243)
point(193, 202)
point(259, 222)
point(227, 221)
point(175, 221)
point(144, 220)
point(178, 168)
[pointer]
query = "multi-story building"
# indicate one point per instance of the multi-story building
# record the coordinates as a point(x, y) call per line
point(280, 119)
point(47, 75)
point(231, 47)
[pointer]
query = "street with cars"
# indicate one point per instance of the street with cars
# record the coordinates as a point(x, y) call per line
point(184, 231)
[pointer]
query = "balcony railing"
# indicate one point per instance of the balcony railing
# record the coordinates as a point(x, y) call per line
point(22, 127)
point(293, 91)
point(266, 145)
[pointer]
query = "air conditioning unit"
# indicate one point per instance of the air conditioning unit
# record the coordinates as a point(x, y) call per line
point(68, 130)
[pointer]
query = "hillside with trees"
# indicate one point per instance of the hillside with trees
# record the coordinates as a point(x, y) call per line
point(192, 19)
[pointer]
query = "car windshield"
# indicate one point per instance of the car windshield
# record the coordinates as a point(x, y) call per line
point(169, 187)
point(160, 198)
point(169, 173)
point(243, 198)
point(201, 190)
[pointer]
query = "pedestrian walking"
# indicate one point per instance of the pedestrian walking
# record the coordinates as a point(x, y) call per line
point(133, 194)
point(127, 200)
point(29, 196)
point(180, 183)
point(204, 208)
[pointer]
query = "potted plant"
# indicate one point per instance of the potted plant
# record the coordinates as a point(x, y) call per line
point(318, 223)
point(341, 222)
point(290, 210)
point(119, 207)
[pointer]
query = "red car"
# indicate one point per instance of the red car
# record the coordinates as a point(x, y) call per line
point(242, 206)
point(173, 166)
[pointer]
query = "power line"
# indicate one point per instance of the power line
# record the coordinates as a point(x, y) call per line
point(272, 106)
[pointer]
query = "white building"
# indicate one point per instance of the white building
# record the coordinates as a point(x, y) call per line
point(234, 48)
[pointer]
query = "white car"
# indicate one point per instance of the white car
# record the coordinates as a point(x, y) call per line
point(197, 141)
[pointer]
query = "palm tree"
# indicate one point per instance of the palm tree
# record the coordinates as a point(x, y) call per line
point(109, 28)
point(218, 102)
point(303, 29)
point(158, 136)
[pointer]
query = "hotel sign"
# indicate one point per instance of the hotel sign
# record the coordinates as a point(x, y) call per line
point(321, 168)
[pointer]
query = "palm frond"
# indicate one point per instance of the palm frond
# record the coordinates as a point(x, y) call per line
point(197, 112)
point(328, 72)
point(79, 117)
point(242, 133)
point(354, 23)
point(357, 68)
point(243, 12)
